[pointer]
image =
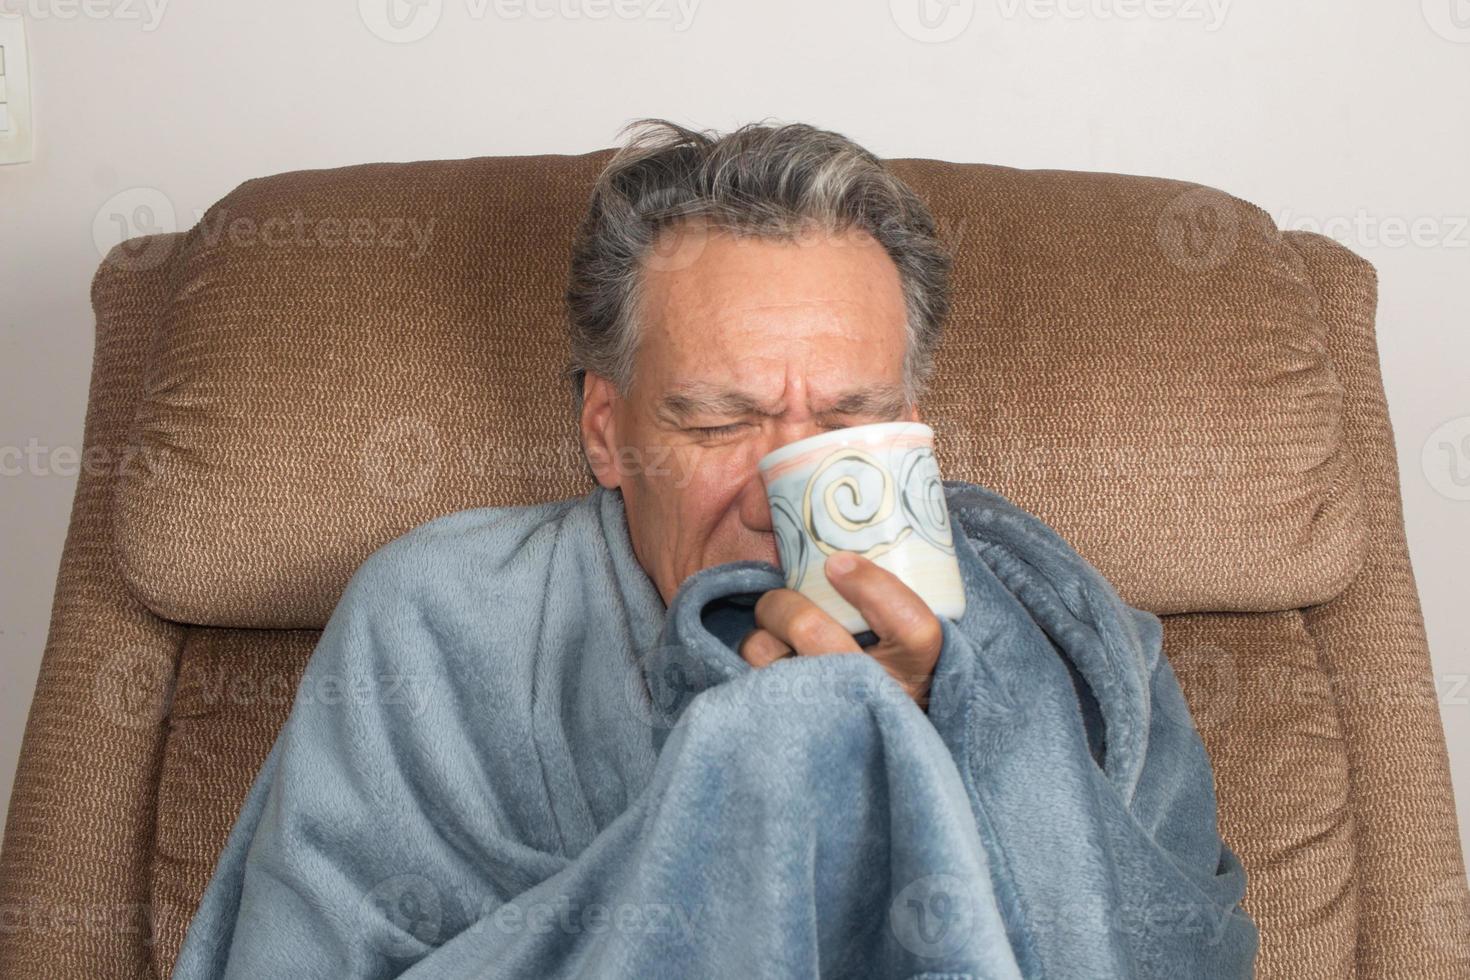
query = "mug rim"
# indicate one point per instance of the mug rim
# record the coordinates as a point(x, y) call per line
point(868, 432)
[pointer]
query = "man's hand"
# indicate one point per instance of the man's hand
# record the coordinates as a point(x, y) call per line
point(909, 634)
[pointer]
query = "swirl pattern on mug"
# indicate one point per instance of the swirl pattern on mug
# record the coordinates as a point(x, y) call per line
point(922, 495)
point(850, 503)
point(791, 543)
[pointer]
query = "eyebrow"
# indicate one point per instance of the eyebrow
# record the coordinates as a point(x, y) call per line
point(691, 399)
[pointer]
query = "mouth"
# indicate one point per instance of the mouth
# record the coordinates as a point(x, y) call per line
point(770, 554)
point(762, 549)
point(765, 553)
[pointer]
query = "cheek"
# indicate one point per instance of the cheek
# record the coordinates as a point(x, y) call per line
point(715, 475)
point(707, 489)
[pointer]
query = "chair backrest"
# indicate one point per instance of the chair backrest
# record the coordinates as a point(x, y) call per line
point(331, 357)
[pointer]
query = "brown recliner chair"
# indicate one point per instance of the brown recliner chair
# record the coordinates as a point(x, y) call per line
point(331, 357)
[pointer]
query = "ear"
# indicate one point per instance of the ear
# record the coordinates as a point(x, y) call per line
point(600, 430)
point(914, 413)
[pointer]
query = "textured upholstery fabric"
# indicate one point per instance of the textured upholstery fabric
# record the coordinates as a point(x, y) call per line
point(78, 838)
point(1262, 700)
point(1189, 448)
point(234, 691)
point(1414, 904)
point(1306, 667)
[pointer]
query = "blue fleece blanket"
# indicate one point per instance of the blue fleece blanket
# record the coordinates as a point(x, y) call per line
point(506, 758)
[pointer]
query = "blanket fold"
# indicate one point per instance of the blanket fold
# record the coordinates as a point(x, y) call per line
point(541, 772)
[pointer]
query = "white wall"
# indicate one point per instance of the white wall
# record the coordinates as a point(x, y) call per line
point(1350, 112)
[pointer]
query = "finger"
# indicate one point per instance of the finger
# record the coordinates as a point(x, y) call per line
point(759, 648)
point(801, 624)
point(895, 612)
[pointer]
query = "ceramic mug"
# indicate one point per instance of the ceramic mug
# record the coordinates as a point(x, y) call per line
point(873, 490)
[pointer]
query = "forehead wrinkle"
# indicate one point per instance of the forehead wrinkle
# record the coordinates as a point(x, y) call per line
point(693, 398)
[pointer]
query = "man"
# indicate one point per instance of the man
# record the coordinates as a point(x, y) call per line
point(783, 284)
point(635, 754)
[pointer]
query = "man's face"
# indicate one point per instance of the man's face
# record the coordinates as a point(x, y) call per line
point(747, 344)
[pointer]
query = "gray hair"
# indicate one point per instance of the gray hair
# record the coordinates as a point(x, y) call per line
point(773, 182)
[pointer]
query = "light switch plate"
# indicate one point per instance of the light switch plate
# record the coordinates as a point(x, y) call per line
point(15, 142)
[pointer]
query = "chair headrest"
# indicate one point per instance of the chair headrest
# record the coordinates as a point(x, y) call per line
point(348, 353)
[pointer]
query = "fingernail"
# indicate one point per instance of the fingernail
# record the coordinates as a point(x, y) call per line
point(841, 562)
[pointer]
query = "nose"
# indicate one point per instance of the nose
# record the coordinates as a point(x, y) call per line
point(755, 514)
point(755, 509)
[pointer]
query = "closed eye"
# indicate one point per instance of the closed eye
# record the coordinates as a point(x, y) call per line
point(718, 431)
point(715, 431)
